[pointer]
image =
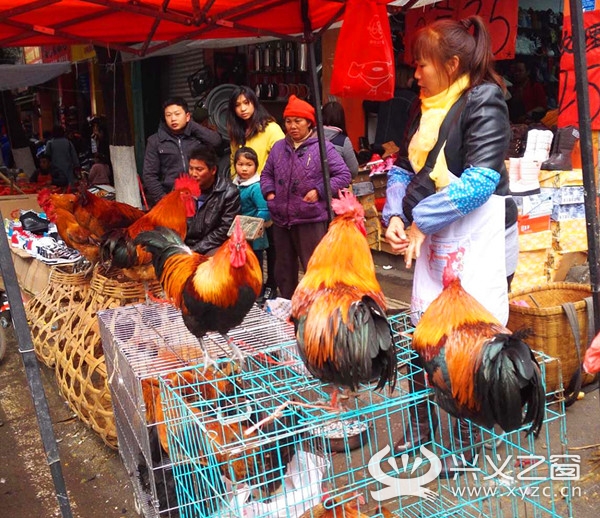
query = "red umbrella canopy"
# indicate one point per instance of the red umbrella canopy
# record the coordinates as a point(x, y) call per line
point(121, 23)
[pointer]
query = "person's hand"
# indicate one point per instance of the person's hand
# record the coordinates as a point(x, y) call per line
point(396, 236)
point(416, 238)
point(311, 196)
point(270, 196)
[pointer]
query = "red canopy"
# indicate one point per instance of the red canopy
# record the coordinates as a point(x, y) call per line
point(121, 23)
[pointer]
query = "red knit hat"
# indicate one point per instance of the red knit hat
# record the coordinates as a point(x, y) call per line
point(299, 108)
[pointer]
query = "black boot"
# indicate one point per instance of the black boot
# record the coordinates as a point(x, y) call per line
point(465, 435)
point(423, 419)
point(560, 160)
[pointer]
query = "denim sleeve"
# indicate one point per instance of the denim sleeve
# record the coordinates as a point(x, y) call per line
point(470, 191)
point(398, 179)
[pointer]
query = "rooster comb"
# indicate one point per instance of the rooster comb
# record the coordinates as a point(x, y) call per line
point(184, 182)
point(347, 203)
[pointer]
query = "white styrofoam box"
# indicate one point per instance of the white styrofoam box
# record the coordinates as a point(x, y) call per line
point(535, 204)
point(564, 212)
point(569, 195)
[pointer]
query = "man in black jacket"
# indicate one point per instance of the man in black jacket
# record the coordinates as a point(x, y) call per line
point(218, 204)
point(168, 150)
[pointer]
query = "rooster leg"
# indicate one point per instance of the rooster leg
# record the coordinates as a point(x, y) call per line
point(208, 361)
point(235, 350)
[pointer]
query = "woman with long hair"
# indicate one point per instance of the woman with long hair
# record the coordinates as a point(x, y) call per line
point(250, 124)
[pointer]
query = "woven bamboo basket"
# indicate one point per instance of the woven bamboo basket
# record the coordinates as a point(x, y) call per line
point(80, 367)
point(552, 333)
point(51, 309)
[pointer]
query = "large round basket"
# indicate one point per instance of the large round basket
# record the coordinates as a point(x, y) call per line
point(540, 309)
point(48, 311)
point(80, 367)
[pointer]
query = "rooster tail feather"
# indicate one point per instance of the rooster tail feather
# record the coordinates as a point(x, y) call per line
point(162, 243)
point(383, 350)
point(116, 250)
point(509, 378)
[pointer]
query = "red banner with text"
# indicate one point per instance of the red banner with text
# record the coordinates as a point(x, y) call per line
point(567, 97)
point(500, 15)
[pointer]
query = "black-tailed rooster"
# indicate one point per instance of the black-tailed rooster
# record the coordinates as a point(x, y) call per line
point(477, 367)
point(214, 293)
point(338, 308)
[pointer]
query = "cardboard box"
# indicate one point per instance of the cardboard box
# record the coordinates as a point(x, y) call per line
point(379, 181)
point(532, 269)
point(561, 262)
point(33, 275)
point(532, 225)
point(10, 205)
point(569, 195)
point(556, 179)
point(535, 241)
point(570, 235)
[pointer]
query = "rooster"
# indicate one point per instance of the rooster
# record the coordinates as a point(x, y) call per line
point(341, 507)
point(118, 247)
point(478, 368)
point(213, 293)
point(81, 220)
point(338, 308)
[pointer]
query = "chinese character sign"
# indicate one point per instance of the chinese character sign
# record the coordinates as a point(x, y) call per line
point(567, 98)
point(499, 15)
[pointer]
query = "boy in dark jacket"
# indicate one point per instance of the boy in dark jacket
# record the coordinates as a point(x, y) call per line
point(168, 150)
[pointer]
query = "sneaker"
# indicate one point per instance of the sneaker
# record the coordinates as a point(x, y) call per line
point(269, 293)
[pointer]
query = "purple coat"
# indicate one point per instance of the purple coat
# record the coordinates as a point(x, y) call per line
point(290, 173)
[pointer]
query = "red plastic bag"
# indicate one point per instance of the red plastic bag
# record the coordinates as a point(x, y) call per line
point(363, 64)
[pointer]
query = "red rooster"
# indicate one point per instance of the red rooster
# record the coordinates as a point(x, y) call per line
point(478, 368)
point(214, 293)
point(338, 308)
point(82, 220)
point(118, 247)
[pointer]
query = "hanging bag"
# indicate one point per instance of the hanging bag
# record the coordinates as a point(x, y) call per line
point(363, 64)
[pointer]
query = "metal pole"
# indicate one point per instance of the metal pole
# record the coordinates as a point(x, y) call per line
point(587, 153)
point(32, 370)
point(314, 89)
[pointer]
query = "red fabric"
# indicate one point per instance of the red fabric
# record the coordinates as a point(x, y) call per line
point(364, 55)
point(591, 363)
point(299, 108)
point(134, 24)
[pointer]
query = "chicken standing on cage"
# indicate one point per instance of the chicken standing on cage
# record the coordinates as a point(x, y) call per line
point(339, 309)
point(214, 293)
point(478, 368)
point(338, 507)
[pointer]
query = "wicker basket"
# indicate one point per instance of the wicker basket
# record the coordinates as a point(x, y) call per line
point(552, 334)
point(80, 367)
point(50, 310)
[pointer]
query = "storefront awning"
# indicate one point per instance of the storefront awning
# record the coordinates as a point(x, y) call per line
point(22, 76)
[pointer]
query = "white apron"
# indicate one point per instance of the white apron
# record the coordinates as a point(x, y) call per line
point(476, 245)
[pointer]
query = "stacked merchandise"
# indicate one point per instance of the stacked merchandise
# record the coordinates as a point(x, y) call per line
point(552, 226)
point(365, 193)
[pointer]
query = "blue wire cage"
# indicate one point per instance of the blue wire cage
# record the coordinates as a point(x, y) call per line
point(262, 440)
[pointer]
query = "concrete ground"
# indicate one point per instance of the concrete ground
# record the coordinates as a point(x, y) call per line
point(97, 482)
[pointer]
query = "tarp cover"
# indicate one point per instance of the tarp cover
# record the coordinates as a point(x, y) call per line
point(22, 76)
point(121, 23)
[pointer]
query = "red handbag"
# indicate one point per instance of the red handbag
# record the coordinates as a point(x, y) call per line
point(363, 64)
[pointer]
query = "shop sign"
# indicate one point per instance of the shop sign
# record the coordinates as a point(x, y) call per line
point(568, 114)
point(588, 5)
point(56, 53)
point(32, 55)
point(500, 16)
point(82, 52)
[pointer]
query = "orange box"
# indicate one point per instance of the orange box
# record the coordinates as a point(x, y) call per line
point(529, 225)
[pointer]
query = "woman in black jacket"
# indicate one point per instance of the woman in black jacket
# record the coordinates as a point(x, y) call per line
point(463, 208)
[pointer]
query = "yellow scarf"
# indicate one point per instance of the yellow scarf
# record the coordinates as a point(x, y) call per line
point(433, 111)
